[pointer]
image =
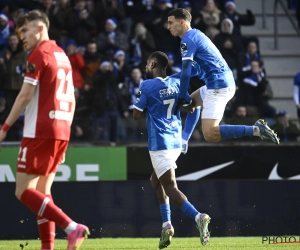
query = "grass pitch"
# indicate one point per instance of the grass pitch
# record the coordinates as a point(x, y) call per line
point(226, 243)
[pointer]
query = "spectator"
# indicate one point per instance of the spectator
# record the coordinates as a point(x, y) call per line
point(92, 61)
point(111, 40)
point(106, 9)
point(15, 133)
point(5, 30)
point(57, 16)
point(245, 58)
point(81, 129)
point(136, 10)
point(12, 69)
point(80, 23)
point(129, 91)
point(237, 19)
point(286, 129)
point(142, 45)
point(107, 104)
point(172, 68)
point(228, 45)
point(77, 63)
point(256, 92)
point(156, 22)
point(186, 5)
point(296, 93)
point(240, 117)
point(121, 68)
point(208, 20)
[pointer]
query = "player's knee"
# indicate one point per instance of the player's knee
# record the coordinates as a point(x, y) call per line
point(211, 135)
point(18, 193)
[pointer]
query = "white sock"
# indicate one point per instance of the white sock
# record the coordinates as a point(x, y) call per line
point(256, 131)
point(71, 227)
point(197, 217)
point(166, 223)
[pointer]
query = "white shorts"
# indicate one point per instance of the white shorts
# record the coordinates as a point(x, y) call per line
point(163, 160)
point(215, 101)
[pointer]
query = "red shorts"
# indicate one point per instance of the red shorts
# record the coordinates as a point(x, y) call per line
point(40, 156)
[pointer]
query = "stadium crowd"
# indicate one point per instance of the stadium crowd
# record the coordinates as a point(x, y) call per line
point(108, 43)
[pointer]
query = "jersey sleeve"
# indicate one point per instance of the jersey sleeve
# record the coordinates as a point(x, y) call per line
point(297, 80)
point(34, 67)
point(187, 49)
point(141, 102)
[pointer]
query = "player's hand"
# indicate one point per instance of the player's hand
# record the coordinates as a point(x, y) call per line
point(181, 103)
point(2, 136)
point(63, 159)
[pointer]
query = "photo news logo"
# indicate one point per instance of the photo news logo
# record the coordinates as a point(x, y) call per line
point(286, 239)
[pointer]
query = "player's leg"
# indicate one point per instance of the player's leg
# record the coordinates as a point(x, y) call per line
point(167, 229)
point(164, 165)
point(214, 105)
point(46, 153)
point(168, 181)
point(192, 118)
point(46, 227)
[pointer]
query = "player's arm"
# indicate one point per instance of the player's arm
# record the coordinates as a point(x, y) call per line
point(185, 79)
point(24, 97)
point(137, 114)
point(178, 75)
point(140, 103)
point(73, 108)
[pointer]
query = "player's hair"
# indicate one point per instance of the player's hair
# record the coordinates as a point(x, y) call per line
point(161, 57)
point(181, 14)
point(34, 15)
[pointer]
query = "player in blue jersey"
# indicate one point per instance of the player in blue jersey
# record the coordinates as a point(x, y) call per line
point(297, 93)
point(199, 52)
point(158, 97)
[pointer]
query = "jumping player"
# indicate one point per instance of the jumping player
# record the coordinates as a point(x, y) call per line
point(199, 52)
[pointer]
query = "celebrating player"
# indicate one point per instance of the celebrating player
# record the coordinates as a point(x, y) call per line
point(158, 96)
point(48, 96)
point(199, 52)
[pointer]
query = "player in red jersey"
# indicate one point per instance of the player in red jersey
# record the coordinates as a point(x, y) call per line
point(48, 96)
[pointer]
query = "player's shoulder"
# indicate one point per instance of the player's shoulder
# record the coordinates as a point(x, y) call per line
point(45, 49)
point(148, 84)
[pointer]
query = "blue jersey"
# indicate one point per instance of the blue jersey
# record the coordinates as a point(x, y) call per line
point(297, 83)
point(207, 59)
point(159, 97)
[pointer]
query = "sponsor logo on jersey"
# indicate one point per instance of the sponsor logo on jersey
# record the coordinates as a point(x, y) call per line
point(30, 67)
point(167, 92)
point(183, 46)
point(184, 49)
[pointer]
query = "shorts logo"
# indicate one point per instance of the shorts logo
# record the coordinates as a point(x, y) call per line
point(30, 68)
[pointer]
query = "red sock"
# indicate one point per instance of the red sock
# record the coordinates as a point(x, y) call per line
point(42, 206)
point(46, 230)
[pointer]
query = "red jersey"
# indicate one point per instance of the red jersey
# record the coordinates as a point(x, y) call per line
point(48, 114)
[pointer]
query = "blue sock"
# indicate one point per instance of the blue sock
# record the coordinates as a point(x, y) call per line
point(189, 209)
point(165, 212)
point(190, 123)
point(235, 131)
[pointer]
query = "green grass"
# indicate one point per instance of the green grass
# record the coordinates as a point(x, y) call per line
point(226, 243)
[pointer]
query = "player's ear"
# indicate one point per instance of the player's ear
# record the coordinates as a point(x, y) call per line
point(152, 65)
point(41, 28)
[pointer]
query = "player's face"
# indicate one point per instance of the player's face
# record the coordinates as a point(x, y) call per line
point(30, 35)
point(174, 26)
